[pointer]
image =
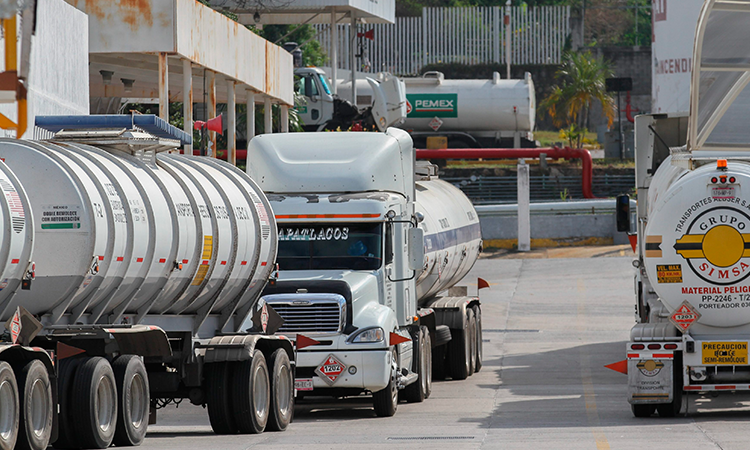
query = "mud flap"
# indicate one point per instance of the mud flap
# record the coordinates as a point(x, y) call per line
point(650, 381)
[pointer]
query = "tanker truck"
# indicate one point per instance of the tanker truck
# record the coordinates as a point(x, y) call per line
point(692, 286)
point(371, 247)
point(130, 279)
point(464, 113)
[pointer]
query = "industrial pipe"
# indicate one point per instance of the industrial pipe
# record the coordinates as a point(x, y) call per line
point(508, 153)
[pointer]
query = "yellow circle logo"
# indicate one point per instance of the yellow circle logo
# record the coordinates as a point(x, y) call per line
point(723, 246)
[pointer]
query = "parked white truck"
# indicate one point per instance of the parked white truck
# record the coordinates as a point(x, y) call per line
point(369, 245)
point(129, 279)
point(486, 113)
point(692, 285)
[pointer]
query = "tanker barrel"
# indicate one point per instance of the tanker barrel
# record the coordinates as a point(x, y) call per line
point(453, 238)
point(127, 232)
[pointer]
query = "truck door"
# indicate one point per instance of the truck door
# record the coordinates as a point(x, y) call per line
point(318, 106)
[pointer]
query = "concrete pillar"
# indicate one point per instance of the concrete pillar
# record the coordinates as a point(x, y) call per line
point(211, 107)
point(250, 105)
point(524, 209)
point(284, 118)
point(334, 50)
point(231, 124)
point(507, 37)
point(352, 57)
point(268, 115)
point(163, 87)
point(187, 102)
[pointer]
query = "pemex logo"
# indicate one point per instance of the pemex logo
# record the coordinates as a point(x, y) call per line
point(717, 246)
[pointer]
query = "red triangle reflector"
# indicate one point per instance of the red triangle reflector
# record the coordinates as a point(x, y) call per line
point(66, 351)
point(482, 283)
point(304, 341)
point(633, 238)
point(396, 339)
point(619, 366)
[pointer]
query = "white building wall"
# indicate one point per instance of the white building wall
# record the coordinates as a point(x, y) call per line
point(59, 78)
point(672, 51)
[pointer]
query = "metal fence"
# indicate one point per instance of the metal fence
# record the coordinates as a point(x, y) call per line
point(494, 190)
point(469, 35)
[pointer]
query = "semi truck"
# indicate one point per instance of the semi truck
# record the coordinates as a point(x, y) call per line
point(692, 267)
point(371, 246)
point(322, 110)
point(487, 113)
point(130, 279)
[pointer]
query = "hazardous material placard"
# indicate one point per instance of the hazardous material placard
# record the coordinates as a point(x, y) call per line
point(330, 370)
point(684, 316)
point(669, 273)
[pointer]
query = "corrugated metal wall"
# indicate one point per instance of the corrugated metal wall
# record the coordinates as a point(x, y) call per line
point(470, 35)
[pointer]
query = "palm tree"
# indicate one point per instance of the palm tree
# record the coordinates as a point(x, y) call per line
point(581, 79)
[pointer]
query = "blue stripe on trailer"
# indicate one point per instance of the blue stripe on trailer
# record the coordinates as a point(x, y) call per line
point(450, 238)
point(146, 122)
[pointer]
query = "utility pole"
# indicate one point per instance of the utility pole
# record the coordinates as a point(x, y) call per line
point(583, 23)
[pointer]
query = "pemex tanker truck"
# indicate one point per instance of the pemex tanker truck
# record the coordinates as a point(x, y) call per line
point(371, 246)
point(485, 113)
point(130, 279)
point(693, 267)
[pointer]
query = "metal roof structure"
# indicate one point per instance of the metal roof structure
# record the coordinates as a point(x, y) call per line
point(308, 11)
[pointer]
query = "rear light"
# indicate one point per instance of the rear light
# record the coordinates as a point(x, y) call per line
point(714, 180)
point(721, 164)
point(654, 346)
point(670, 346)
point(637, 346)
point(723, 178)
point(732, 179)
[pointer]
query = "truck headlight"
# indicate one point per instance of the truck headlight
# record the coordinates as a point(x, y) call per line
point(368, 335)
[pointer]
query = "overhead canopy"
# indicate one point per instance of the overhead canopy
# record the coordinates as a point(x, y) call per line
point(125, 38)
point(308, 11)
point(719, 97)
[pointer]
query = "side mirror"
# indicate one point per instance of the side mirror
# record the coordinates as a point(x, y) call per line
point(622, 213)
point(308, 86)
point(416, 248)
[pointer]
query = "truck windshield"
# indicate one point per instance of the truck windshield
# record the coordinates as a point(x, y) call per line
point(355, 246)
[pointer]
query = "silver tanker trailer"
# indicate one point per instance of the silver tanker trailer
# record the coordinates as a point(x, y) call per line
point(129, 279)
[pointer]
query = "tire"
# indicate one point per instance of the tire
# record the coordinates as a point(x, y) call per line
point(459, 352)
point(218, 398)
point(385, 401)
point(282, 392)
point(479, 351)
point(251, 396)
point(133, 400)
point(9, 407)
point(36, 413)
point(95, 403)
point(418, 391)
point(673, 408)
point(641, 411)
point(472, 340)
point(66, 372)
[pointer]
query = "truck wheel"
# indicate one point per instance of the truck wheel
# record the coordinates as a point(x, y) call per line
point(9, 407)
point(282, 392)
point(95, 405)
point(673, 408)
point(385, 402)
point(418, 391)
point(438, 362)
point(459, 351)
point(643, 410)
point(35, 424)
point(479, 352)
point(133, 400)
point(472, 339)
point(218, 398)
point(66, 373)
point(252, 394)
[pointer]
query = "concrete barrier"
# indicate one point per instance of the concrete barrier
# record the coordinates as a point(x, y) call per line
point(555, 224)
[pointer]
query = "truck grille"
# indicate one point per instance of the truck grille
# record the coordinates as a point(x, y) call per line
point(316, 313)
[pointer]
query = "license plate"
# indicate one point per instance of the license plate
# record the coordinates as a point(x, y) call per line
point(725, 192)
point(303, 384)
point(730, 353)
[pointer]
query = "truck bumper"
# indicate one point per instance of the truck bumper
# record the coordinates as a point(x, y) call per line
point(371, 366)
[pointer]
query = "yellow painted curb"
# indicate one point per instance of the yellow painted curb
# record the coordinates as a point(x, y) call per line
point(510, 244)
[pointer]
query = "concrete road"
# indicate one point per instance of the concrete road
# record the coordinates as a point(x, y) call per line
point(550, 326)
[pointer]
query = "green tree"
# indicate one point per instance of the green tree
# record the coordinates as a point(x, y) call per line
point(581, 79)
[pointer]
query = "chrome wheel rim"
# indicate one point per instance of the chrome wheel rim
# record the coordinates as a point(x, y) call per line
point(8, 410)
point(39, 407)
point(137, 400)
point(104, 404)
point(285, 390)
point(260, 392)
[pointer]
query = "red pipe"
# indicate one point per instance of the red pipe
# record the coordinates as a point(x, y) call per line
point(508, 153)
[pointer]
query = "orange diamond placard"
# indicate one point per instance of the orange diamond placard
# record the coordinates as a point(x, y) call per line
point(684, 316)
